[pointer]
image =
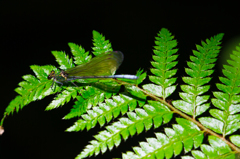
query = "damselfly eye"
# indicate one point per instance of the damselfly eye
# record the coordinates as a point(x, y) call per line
point(51, 75)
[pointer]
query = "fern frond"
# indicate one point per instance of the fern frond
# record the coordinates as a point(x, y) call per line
point(183, 135)
point(105, 112)
point(100, 44)
point(31, 89)
point(200, 68)
point(141, 76)
point(63, 59)
point(164, 62)
point(98, 101)
point(216, 149)
point(79, 54)
point(62, 98)
point(90, 96)
point(226, 117)
point(153, 114)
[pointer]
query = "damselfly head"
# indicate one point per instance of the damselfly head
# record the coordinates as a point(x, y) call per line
point(51, 75)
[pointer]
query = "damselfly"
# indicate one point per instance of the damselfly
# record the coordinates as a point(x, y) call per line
point(102, 66)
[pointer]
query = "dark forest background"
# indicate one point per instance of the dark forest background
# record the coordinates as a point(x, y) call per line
point(30, 30)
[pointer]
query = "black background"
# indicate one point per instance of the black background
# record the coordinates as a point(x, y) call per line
point(30, 30)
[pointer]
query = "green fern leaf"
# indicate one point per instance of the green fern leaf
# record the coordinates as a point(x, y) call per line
point(164, 62)
point(105, 112)
point(32, 88)
point(217, 149)
point(63, 60)
point(79, 54)
point(80, 107)
point(135, 123)
point(62, 98)
point(100, 44)
point(90, 96)
point(170, 144)
point(227, 119)
point(141, 76)
point(98, 101)
point(235, 139)
point(200, 68)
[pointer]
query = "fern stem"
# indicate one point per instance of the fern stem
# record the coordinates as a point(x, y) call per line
point(5, 114)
